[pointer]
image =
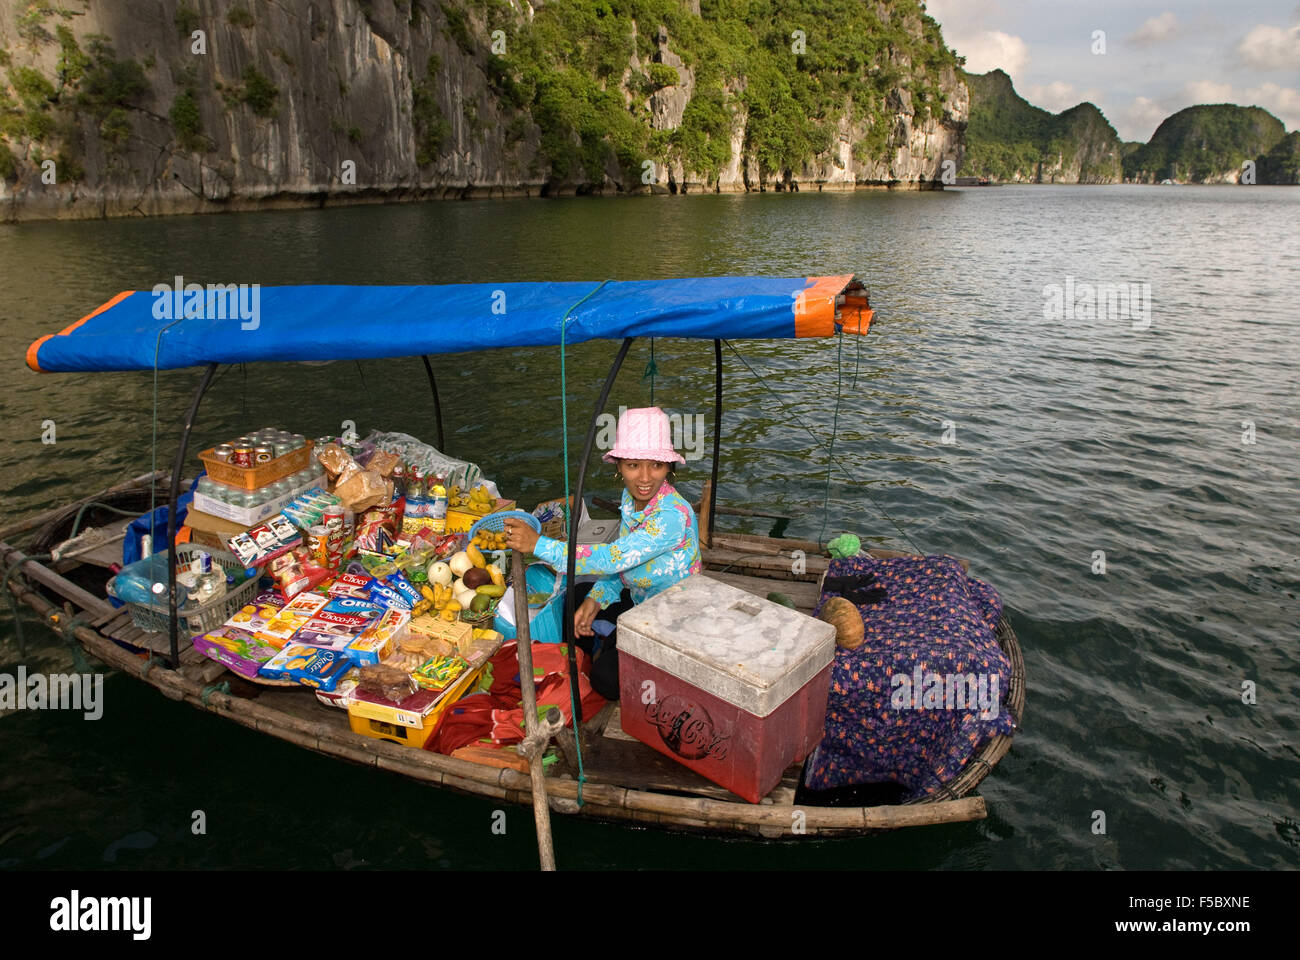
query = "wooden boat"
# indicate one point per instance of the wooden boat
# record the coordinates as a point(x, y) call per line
point(625, 781)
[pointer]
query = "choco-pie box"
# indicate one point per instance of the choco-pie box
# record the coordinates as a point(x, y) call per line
point(731, 685)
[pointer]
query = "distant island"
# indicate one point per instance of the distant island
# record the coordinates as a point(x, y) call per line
point(1009, 140)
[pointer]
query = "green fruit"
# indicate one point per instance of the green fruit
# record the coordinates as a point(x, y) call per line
point(480, 603)
point(491, 590)
point(782, 599)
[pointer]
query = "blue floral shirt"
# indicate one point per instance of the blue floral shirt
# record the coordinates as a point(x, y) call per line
point(656, 547)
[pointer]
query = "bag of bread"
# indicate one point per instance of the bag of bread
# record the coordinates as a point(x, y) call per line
point(362, 489)
point(334, 459)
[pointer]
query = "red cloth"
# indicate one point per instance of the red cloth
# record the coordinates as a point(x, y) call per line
point(498, 715)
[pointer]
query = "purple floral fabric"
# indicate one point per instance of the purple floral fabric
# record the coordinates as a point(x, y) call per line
point(927, 687)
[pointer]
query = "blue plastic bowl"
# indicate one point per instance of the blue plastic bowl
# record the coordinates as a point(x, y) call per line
point(496, 522)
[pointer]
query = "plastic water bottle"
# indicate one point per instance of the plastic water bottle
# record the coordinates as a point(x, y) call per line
point(436, 505)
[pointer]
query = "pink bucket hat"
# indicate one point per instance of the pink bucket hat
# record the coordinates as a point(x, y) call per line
point(644, 434)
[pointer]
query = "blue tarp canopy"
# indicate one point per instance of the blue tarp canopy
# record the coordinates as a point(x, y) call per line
point(181, 325)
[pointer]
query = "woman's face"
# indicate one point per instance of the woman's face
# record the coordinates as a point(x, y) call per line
point(643, 478)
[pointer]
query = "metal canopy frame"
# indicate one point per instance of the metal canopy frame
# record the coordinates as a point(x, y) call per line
point(852, 297)
point(570, 595)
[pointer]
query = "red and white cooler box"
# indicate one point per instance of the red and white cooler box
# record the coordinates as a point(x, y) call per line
point(731, 685)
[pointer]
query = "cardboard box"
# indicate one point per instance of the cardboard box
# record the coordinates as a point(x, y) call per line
point(236, 648)
point(459, 521)
point(294, 615)
point(458, 633)
point(310, 666)
point(249, 516)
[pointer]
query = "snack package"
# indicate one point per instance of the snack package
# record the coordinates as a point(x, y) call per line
point(262, 544)
point(337, 624)
point(369, 528)
point(289, 620)
point(240, 650)
point(381, 592)
point(350, 585)
point(342, 693)
point(456, 633)
point(378, 641)
point(440, 672)
point(404, 587)
point(310, 666)
point(297, 572)
point(255, 615)
point(383, 680)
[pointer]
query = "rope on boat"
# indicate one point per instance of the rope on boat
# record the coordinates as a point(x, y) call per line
point(10, 570)
point(67, 627)
point(149, 665)
point(223, 687)
point(799, 420)
point(835, 427)
point(564, 429)
point(13, 568)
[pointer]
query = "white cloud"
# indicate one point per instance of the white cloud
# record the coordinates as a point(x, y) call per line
point(965, 29)
point(1282, 102)
point(1139, 119)
point(1271, 48)
point(993, 49)
point(1207, 91)
point(1155, 30)
point(1058, 95)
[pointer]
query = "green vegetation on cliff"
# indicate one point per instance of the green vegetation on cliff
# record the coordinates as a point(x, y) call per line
point(1009, 138)
point(1282, 163)
point(1205, 143)
point(794, 68)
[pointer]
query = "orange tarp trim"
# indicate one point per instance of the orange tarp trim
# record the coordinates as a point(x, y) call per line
point(35, 347)
point(814, 310)
point(855, 315)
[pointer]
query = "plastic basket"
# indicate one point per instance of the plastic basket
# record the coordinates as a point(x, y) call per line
point(496, 522)
point(254, 478)
point(195, 619)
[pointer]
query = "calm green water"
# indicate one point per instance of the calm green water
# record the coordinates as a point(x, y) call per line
point(1072, 436)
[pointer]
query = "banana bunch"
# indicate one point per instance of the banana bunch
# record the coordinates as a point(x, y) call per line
point(480, 501)
point(439, 597)
point(490, 539)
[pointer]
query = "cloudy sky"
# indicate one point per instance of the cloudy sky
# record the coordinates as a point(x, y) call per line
point(1159, 56)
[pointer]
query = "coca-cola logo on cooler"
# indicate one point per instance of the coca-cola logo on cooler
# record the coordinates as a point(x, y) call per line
point(687, 729)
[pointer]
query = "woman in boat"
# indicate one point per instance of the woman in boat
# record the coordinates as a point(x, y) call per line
point(658, 543)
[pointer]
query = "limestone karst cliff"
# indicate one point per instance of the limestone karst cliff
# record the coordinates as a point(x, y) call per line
point(140, 107)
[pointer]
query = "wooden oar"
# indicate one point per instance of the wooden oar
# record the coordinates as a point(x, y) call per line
point(536, 734)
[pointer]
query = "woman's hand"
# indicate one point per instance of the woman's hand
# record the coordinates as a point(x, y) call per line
point(583, 616)
point(520, 536)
